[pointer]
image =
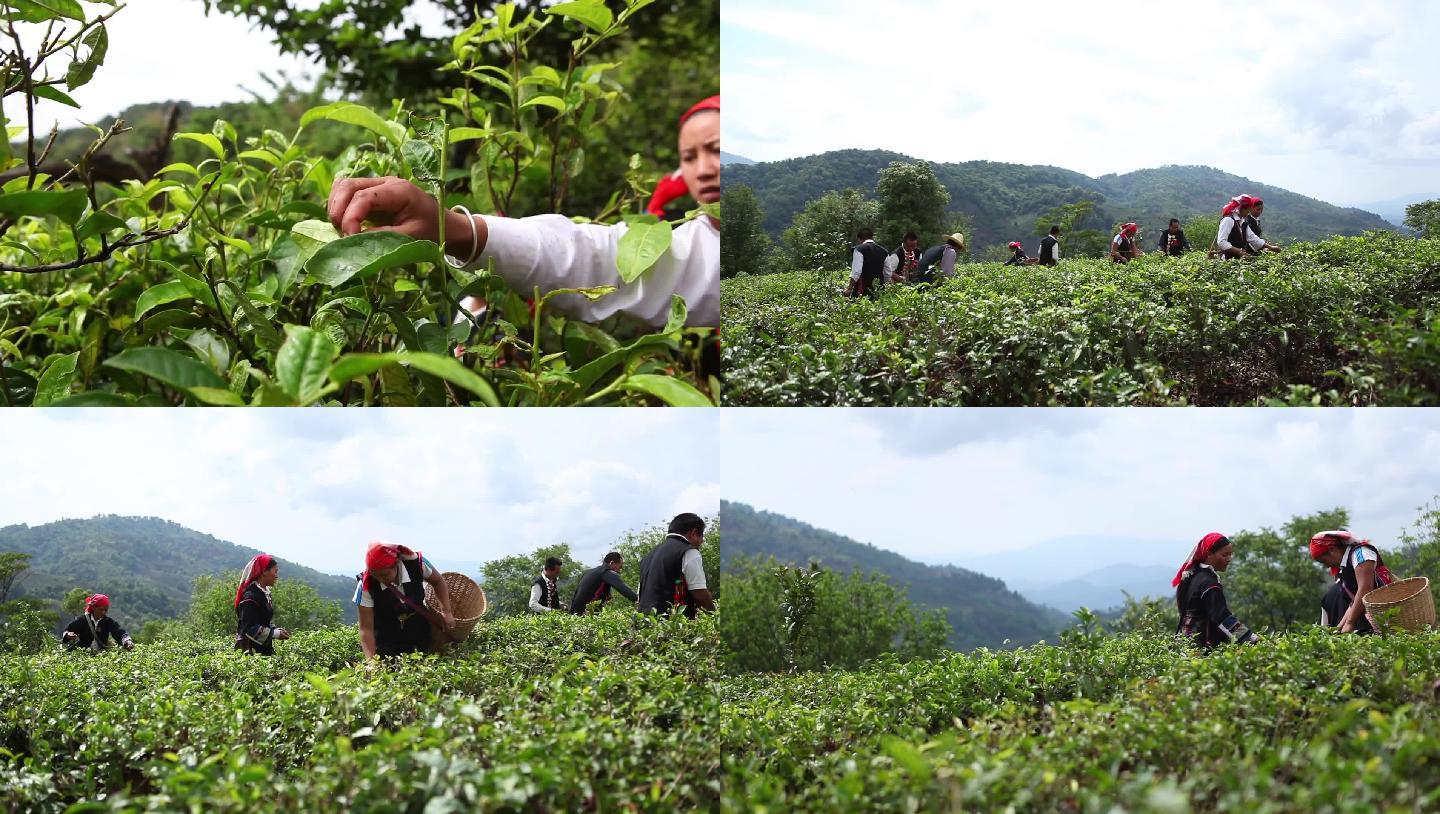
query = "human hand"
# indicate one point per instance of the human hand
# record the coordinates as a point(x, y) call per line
point(281, 633)
point(395, 204)
point(1347, 626)
point(449, 620)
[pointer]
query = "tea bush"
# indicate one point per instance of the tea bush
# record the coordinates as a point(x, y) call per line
point(614, 712)
point(219, 279)
point(1349, 320)
point(1311, 722)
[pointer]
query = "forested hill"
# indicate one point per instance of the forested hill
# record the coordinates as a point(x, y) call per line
point(1003, 200)
point(980, 609)
point(145, 564)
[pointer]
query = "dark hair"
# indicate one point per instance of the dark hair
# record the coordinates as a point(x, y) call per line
point(866, 233)
point(553, 562)
point(686, 523)
point(1174, 220)
point(613, 556)
point(910, 236)
point(1054, 230)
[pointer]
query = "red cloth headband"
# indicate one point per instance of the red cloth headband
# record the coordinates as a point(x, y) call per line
point(258, 565)
point(710, 103)
point(1202, 549)
point(96, 601)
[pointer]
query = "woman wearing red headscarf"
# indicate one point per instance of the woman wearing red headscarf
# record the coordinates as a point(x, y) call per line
point(254, 610)
point(1358, 570)
point(1124, 247)
point(1205, 618)
point(1233, 238)
point(552, 252)
point(391, 599)
point(94, 629)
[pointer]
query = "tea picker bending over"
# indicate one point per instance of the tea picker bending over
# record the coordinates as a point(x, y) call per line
point(1358, 570)
point(594, 588)
point(672, 575)
point(254, 609)
point(1205, 618)
point(1019, 258)
point(1125, 246)
point(94, 629)
point(390, 595)
point(552, 252)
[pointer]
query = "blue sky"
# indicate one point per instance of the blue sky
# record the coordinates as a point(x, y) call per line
point(946, 485)
point(1330, 99)
point(314, 486)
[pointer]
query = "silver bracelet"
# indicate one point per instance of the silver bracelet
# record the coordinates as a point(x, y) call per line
point(474, 240)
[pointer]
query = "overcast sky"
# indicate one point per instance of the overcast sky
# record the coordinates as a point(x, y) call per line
point(314, 486)
point(940, 485)
point(1335, 100)
point(163, 50)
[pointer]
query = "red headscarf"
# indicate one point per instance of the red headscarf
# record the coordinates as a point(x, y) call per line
point(1326, 540)
point(708, 103)
point(1202, 549)
point(258, 565)
point(96, 601)
point(1130, 228)
point(1014, 245)
point(383, 555)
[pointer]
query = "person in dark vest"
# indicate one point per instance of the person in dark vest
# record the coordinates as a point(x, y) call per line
point(94, 630)
point(867, 265)
point(672, 575)
point(1019, 258)
point(544, 591)
point(1358, 570)
point(1172, 240)
point(1231, 241)
point(900, 265)
point(1254, 240)
point(1205, 618)
point(390, 595)
point(1124, 247)
point(1050, 248)
point(593, 589)
point(254, 609)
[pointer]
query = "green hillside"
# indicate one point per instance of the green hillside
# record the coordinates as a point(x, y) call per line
point(145, 564)
point(1003, 200)
point(980, 609)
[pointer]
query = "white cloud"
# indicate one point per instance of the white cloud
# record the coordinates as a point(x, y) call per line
point(465, 485)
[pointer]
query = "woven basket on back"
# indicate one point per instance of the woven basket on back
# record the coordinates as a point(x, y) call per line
point(1410, 602)
point(467, 600)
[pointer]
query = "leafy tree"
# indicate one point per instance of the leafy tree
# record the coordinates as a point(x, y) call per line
point(12, 565)
point(1150, 616)
point(960, 223)
point(746, 247)
point(26, 626)
point(910, 198)
point(298, 606)
point(1418, 554)
point(1424, 218)
point(823, 235)
point(74, 601)
point(1272, 582)
point(1075, 241)
point(507, 580)
point(777, 618)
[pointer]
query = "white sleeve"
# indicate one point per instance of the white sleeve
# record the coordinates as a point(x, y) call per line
point(362, 597)
point(694, 570)
point(1222, 238)
point(535, 600)
point(1057, 250)
point(426, 569)
point(892, 262)
point(947, 260)
point(551, 251)
point(856, 263)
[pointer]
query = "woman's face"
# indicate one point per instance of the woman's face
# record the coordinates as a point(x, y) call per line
point(389, 574)
point(269, 575)
point(1219, 559)
point(99, 611)
point(700, 155)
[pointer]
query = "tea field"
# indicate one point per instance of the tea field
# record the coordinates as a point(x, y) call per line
point(1311, 722)
point(533, 714)
point(1345, 321)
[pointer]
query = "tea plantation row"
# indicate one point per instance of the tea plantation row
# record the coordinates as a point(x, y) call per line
point(1310, 722)
point(1345, 321)
point(608, 713)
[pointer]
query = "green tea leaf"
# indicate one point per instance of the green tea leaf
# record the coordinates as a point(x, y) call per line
point(80, 73)
point(168, 366)
point(206, 139)
point(445, 367)
point(594, 15)
point(56, 381)
point(366, 253)
point(641, 246)
point(38, 11)
point(674, 392)
point(49, 92)
point(68, 206)
point(159, 295)
point(351, 113)
point(303, 362)
point(545, 101)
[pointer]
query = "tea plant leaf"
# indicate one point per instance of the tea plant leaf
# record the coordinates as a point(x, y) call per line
point(81, 72)
point(366, 253)
point(671, 391)
point(642, 244)
point(56, 381)
point(168, 366)
point(354, 365)
point(68, 206)
point(54, 95)
point(38, 11)
point(212, 143)
point(594, 15)
point(159, 295)
point(351, 113)
point(553, 102)
point(303, 362)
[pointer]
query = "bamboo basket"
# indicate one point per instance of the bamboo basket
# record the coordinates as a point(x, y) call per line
point(1405, 604)
point(467, 600)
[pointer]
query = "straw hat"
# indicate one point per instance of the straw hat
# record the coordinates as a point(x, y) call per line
point(957, 240)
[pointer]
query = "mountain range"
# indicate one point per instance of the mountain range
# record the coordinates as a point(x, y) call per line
point(1003, 201)
point(982, 611)
point(145, 564)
